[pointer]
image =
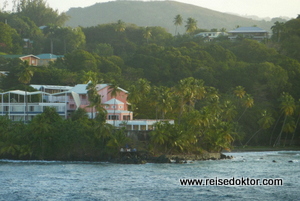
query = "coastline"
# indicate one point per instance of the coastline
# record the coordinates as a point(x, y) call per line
point(262, 148)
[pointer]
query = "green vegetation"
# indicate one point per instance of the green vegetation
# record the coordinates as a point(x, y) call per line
point(220, 94)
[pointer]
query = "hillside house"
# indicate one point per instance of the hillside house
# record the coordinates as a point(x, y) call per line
point(209, 36)
point(31, 59)
point(254, 33)
point(45, 59)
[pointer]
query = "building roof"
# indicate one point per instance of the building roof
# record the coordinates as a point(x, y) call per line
point(80, 89)
point(118, 111)
point(23, 93)
point(102, 86)
point(40, 87)
point(10, 56)
point(49, 56)
point(248, 30)
point(113, 101)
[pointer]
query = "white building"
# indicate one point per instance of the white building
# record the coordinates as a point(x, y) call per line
point(15, 106)
point(209, 36)
point(254, 33)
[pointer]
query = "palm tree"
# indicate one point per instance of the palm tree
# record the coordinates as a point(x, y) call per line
point(223, 30)
point(25, 77)
point(247, 102)
point(120, 26)
point(265, 122)
point(191, 25)
point(147, 33)
point(178, 21)
point(164, 100)
point(95, 99)
point(114, 90)
point(188, 91)
point(287, 107)
point(298, 118)
point(89, 76)
point(277, 29)
point(239, 91)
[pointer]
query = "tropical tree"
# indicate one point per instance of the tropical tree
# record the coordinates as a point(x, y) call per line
point(240, 91)
point(40, 13)
point(120, 26)
point(265, 122)
point(277, 30)
point(117, 140)
point(288, 108)
point(191, 25)
point(178, 20)
point(114, 90)
point(187, 92)
point(96, 101)
point(24, 77)
point(89, 76)
point(298, 118)
point(164, 100)
point(147, 34)
point(247, 102)
point(138, 91)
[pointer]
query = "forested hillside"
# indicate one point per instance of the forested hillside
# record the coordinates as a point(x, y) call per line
point(158, 13)
point(219, 93)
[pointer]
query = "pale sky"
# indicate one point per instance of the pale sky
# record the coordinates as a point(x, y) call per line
point(260, 8)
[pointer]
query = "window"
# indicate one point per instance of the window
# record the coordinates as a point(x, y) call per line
point(113, 117)
point(120, 106)
point(106, 107)
point(6, 108)
point(126, 117)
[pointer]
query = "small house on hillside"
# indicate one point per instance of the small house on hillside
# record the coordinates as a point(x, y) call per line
point(46, 58)
point(32, 59)
point(209, 36)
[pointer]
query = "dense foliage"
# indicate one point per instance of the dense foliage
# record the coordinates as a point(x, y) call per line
point(220, 94)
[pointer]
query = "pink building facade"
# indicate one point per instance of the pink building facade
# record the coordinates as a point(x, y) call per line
point(116, 107)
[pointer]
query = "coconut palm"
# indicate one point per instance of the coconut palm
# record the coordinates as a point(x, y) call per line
point(265, 122)
point(239, 91)
point(178, 21)
point(114, 90)
point(187, 92)
point(25, 77)
point(120, 26)
point(92, 96)
point(147, 34)
point(289, 127)
point(191, 25)
point(247, 102)
point(298, 118)
point(89, 76)
point(164, 100)
point(288, 108)
point(277, 29)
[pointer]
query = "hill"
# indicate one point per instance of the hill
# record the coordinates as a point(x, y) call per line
point(157, 13)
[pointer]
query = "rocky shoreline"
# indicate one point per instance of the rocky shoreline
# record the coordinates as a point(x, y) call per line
point(142, 158)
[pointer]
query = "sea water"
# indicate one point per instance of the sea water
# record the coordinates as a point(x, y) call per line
point(56, 180)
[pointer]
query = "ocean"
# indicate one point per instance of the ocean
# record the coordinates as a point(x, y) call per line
point(222, 179)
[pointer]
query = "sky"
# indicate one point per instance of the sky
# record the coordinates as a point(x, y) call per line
point(260, 8)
